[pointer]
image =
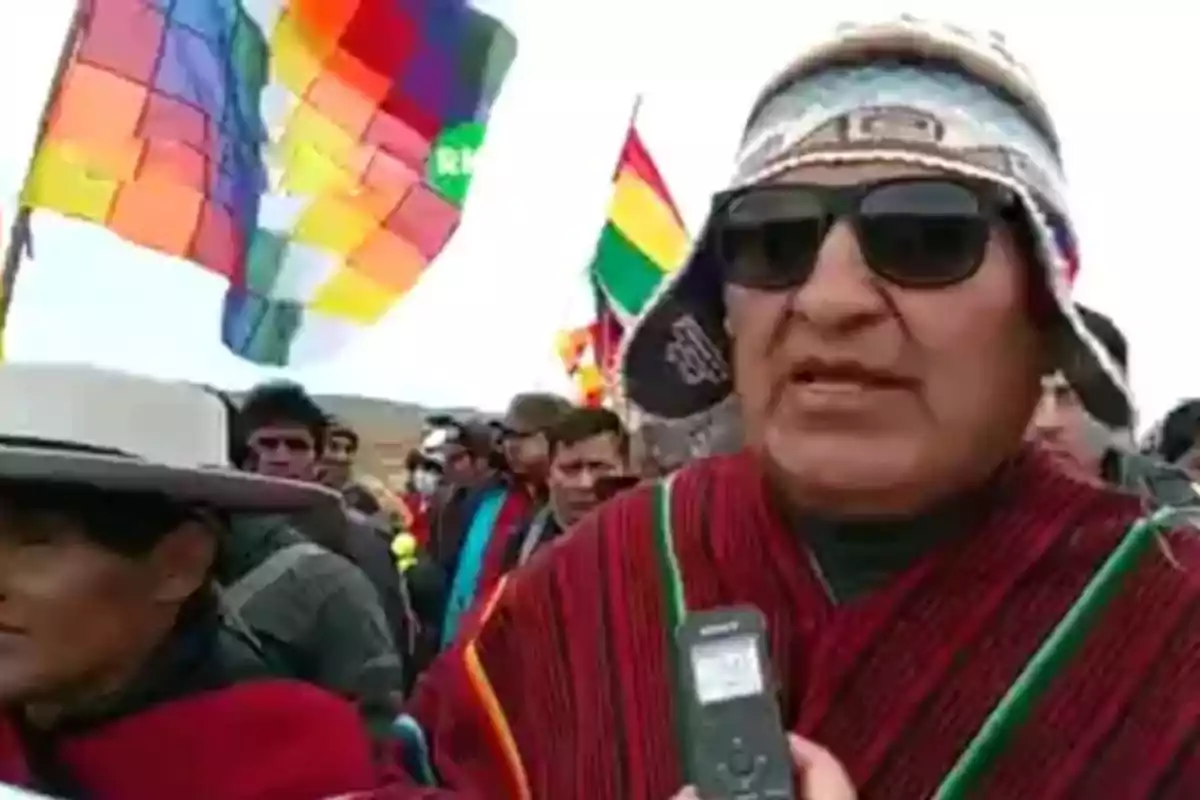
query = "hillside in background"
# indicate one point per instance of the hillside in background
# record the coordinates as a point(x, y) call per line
point(389, 430)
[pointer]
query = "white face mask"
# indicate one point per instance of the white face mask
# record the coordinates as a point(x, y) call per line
point(426, 481)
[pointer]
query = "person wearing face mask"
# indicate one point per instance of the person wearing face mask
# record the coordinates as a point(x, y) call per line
point(424, 489)
point(461, 449)
point(848, 362)
point(425, 475)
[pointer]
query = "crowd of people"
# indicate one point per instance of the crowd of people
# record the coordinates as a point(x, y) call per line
point(868, 406)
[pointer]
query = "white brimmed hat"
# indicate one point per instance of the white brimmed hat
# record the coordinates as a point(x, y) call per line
point(116, 432)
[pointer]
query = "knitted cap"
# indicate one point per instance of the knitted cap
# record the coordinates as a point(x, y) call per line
point(907, 91)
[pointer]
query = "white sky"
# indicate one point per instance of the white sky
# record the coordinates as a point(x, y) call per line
point(481, 324)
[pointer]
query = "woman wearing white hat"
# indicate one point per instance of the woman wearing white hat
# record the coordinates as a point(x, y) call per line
point(118, 675)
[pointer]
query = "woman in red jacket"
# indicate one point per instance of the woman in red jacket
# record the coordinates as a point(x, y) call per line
point(118, 676)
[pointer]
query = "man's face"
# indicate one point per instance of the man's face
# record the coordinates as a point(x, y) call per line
point(868, 387)
point(284, 450)
point(337, 462)
point(457, 462)
point(1061, 424)
point(461, 468)
point(574, 472)
point(527, 453)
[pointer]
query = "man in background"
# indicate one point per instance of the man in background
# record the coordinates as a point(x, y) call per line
point(470, 533)
point(314, 614)
point(285, 432)
point(338, 455)
point(336, 470)
point(1062, 425)
point(589, 461)
point(1178, 440)
point(462, 449)
point(422, 484)
point(1164, 474)
point(1174, 448)
point(525, 438)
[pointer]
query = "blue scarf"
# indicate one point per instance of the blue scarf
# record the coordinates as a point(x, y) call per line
point(470, 563)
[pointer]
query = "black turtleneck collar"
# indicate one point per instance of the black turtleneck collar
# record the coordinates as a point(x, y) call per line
point(855, 557)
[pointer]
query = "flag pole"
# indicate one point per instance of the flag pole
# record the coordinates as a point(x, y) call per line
point(611, 383)
point(20, 242)
point(637, 106)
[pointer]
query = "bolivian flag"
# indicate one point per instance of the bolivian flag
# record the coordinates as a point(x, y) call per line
point(644, 238)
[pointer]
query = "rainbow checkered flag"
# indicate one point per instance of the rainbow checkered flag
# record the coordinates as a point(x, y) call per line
point(316, 153)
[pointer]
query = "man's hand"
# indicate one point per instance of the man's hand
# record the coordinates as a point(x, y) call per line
point(821, 776)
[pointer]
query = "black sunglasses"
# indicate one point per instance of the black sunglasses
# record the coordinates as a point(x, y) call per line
point(922, 233)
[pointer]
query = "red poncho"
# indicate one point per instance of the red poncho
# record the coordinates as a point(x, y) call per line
point(565, 690)
point(259, 740)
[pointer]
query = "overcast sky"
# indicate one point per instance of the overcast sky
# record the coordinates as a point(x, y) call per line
point(481, 324)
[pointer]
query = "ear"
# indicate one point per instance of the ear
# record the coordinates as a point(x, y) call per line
point(183, 561)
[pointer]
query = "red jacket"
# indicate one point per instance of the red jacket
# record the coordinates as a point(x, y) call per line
point(259, 740)
point(417, 507)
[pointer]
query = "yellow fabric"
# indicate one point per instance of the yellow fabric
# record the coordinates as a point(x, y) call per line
point(404, 549)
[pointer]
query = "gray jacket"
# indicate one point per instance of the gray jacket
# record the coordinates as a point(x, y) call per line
point(316, 615)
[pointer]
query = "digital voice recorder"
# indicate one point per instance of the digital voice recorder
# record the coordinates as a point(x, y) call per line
point(737, 748)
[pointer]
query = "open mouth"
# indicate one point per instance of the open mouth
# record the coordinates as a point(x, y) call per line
point(845, 375)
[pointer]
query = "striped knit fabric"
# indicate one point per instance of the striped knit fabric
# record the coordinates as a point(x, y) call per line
point(565, 692)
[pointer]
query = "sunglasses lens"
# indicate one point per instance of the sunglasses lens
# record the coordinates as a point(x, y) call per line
point(769, 238)
point(923, 233)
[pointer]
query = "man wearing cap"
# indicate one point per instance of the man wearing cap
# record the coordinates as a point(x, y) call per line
point(461, 448)
point(851, 356)
point(471, 530)
point(118, 675)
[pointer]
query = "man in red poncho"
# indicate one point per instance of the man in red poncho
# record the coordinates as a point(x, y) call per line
point(863, 327)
